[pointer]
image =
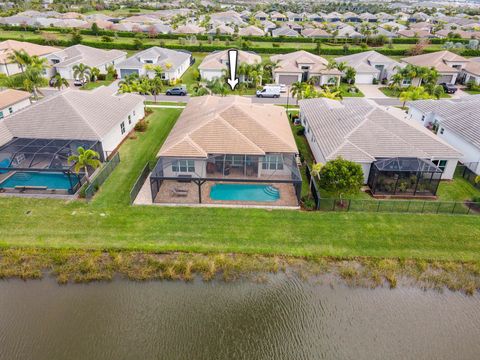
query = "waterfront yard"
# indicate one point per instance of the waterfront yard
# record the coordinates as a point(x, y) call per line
point(109, 222)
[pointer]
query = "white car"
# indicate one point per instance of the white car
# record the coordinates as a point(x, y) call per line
point(269, 91)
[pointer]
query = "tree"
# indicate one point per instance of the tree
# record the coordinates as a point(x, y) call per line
point(327, 93)
point(111, 72)
point(341, 177)
point(94, 74)
point(350, 74)
point(413, 93)
point(438, 91)
point(314, 172)
point(156, 87)
point(477, 179)
point(85, 159)
point(21, 58)
point(297, 90)
point(76, 38)
point(95, 29)
point(58, 81)
point(82, 72)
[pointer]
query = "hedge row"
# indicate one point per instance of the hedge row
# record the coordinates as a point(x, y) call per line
point(211, 47)
point(128, 34)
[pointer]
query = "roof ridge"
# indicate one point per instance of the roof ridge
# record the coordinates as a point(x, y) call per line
point(79, 114)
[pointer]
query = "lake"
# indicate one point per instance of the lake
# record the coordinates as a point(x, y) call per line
point(284, 318)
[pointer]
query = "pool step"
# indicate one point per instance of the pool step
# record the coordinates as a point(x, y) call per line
point(272, 191)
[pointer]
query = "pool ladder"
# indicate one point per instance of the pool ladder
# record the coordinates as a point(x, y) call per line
point(272, 191)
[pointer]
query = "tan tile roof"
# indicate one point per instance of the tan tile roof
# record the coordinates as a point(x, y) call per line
point(473, 66)
point(251, 31)
point(289, 63)
point(5, 134)
point(229, 125)
point(436, 59)
point(217, 60)
point(7, 47)
point(10, 96)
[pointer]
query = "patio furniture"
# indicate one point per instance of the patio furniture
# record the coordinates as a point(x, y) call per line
point(179, 192)
point(184, 178)
point(210, 168)
point(226, 171)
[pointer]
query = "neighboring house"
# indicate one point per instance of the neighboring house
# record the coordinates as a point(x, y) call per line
point(261, 16)
point(420, 34)
point(316, 33)
point(448, 65)
point(230, 17)
point(268, 26)
point(360, 130)
point(461, 33)
point(384, 32)
point(315, 18)
point(351, 17)
point(384, 17)
point(7, 48)
point(367, 17)
point(227, 140)
point(333, 17)
point(63, 62)
point(294, 17)
point(174, 63)
point(471, 71)
point(348, 32)
point(456, 121)
point(221, 29)
point(276, 16)
point(284, 31)
point(302, 66)
point(41, 137)
point(251, 31)
point(190, 29)
point(370, 65)
point(394, 26)
point(13, 100)
point(214, 64)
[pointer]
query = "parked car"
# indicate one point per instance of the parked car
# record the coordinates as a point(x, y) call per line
point(79, 82)
point(449, 88)
point(269, 91)
point(283, 87)
point(179, 91)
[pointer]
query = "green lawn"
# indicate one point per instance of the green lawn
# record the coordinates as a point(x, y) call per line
point(108, 222)
point(472, 92)
point(345, 93)
point(173, 103)
point(457, 190)
point(395, 93)
point(93, 85)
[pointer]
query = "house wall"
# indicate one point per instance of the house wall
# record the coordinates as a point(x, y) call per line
point(10, 69)
point(67, 72)
point(364, 78)
point(14, 107)
point(467, 77)
point(200, 168)
point(171, 74)
point(209, 75)
point(111, 141)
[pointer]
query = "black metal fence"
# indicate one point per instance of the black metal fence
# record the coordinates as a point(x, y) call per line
point(464, 170)
point(139, 183)
point(102, 175)
point(400, 206)
point(313, 188)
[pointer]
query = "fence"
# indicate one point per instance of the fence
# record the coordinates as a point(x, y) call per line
point(400, 206)
point(313, 188)
point(102, 175)
point(465, 171)
point(139, 183)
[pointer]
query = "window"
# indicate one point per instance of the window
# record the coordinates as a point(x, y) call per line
point(305, 67)
point(183, 166)
point(1, 114)
point(272, 162)
point(235, 160)
point(406, 81)
point(148, 61)
point(10, 110)
point(129, 119)
point(441, 164)
point(423, 118)
point(122, 128)
point(442, 130)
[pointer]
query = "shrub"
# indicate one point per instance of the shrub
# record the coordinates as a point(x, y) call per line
point(301, 131)
point(476, 199)
point(141, 126)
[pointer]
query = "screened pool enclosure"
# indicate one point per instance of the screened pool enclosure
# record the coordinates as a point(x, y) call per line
point(42, 165)
point(404, 177)
point(270, 168)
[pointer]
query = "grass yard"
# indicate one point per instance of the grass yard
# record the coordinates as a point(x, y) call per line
point(395, 93)
point(345, 93)
point(472, 92)
point(109, 222)
point(93, 85)
point(457, 190)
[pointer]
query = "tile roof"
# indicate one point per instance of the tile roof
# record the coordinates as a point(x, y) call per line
point(362, 62)
point(73, 114)
point(10, 96)
point(473, 66)
point(251, 31)
point(437, 59)
point(289, 63)
point(160, 56)
point(218, 59)
point(229, 125)
point(7, 47)
point(460, 116)
point(359, 130)
point(86, 55)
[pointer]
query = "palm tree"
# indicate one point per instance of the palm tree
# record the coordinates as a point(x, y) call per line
point(144, 86)
point(327, 93)
point(21, 58)
point(94, 74)
point(157, 69)
point(85, 159)
point(297, 90)
point(200, 90)
point(129, 79)
point(413, 93)
point(156, 87)
point(82, 72)
point(314, 172)
point(350, 74)
point(58, 81)
point(437, 91)
point(396, 80)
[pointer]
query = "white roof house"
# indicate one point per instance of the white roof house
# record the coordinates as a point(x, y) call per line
point(214, 64)
point(284, 31)
point(174, 63)
point(63, 61)
point(99, 115)
point(457, 122)
point(12, 100)
point(251, 31)
point(369, 65)
point(360, 131)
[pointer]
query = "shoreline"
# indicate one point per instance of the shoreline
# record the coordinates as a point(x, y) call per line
point(83, 266)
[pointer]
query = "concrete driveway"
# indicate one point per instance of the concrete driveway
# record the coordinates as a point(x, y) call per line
point(371, 91)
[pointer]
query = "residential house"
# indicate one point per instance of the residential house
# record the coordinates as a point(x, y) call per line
point(279, 17)
point(62, 62)
point(12, 101)
point(261, 16)
point(42, 136)
point(229, 17)
point(227, 140)
point(414, 33)
point(384, 17)
point(284, 31)
point(315, 33)
point(190, 29)
point(221, 29)
point(448, 65)
point(455, 121)
point(392, 26)
point(471, 71)
point(370, 65)
point(173, 63)
point(268, 26)
point(348, 32)
point(294, 17)
point(7, 47)
point(251, 31)
point(351, 17)
point(367, 17)
point(397, 156)
point(302, 66)
point(215, 64)
point(333, 17)
point(315, 18)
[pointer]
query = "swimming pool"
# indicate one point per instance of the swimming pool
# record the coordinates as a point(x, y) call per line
point(52, 180)
point(244, 192)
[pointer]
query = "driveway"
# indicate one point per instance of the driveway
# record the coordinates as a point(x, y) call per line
point(371, 91)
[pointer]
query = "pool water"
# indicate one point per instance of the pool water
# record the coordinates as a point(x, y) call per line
point(244, 192)
point(52, 180)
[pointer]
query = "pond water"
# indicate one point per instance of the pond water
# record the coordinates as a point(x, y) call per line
point(285, 318)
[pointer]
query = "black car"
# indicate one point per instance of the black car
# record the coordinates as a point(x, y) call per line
point(179, 91)
point(449, 88)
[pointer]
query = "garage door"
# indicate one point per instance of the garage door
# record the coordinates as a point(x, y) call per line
point(126, 72)
point(363, 78)
point(287, 79)
point(445, 79)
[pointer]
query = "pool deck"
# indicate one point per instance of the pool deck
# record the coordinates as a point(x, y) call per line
point(166, 196)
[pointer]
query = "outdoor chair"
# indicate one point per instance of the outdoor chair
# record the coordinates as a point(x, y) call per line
point(179, 192)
